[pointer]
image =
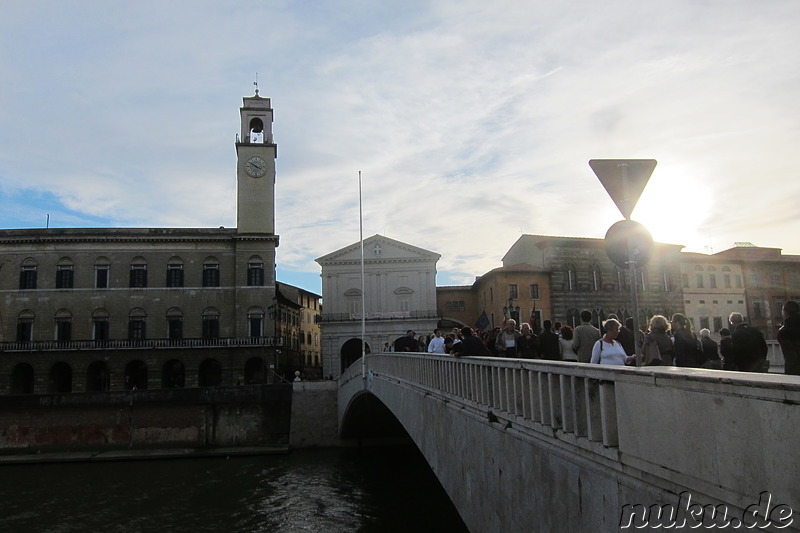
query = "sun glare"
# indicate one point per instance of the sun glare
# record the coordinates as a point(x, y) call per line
point(674, 207)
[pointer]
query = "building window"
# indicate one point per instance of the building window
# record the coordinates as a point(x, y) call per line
point(63, 327)
point(712, 281)
point(138, 278)
point(570, 278)
point(776, 280)
point(665, 279)
point(137, 325)
point(717, 323)
point(174, 325)
point(534, 291)
point(174, 275)
point(754, 278)
point(739, 281)
point(596, 278)
point(27, 277)
point(255, 274)
point(101, 276)
point(211, 275)
point(699, 281)
point(25, 327)
point(756, 309)
point(512, 292)
point(100, 327)
point(64, 277)
point(685, 280)
point(210, 324)
point(454, 306)
point(255, 322)
point(704, 322)
point(726, 281)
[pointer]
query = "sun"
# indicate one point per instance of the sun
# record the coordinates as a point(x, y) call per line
point(674, 208)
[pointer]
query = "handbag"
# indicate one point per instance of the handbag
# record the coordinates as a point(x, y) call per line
point(652, 354)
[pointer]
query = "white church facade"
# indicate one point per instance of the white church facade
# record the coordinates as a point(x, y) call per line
point(399, 295)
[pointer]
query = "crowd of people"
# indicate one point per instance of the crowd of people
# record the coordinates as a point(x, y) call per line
point(662, 341)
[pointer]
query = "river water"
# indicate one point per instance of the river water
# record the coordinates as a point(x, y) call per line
point(369, 490)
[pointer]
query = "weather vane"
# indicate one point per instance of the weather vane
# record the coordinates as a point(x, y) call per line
point(256, 83)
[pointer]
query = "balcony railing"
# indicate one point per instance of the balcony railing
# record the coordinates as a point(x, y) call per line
point(386, 315)
point(228, 342)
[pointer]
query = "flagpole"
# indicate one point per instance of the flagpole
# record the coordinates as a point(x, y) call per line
point(363, 298)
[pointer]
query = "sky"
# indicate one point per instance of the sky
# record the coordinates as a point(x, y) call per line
point(471, 122)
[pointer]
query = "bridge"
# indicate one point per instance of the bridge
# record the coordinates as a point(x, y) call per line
point(550, 446)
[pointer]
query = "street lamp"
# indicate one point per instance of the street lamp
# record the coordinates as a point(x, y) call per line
point(274, 314)
point(510, 311)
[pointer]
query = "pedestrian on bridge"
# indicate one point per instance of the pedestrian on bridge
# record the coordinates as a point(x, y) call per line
point(608, 351)
point(506, 343)
point(789, 338)
point(470, 344)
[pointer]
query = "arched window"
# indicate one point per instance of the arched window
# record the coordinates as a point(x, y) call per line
point(175, 272)
point(27, 275)
point(255, 272)
point(60, 379)
point(102, 267)
point(210, 323)
point(353, 301)
point(174, 324)
point(256, 130)
point(98, 377)
point(137, 322)
point(136, 375)
point(63, 320)
point(25, 326)
point(596, 277)
point(255, 322)
point(138, 276)
point(211, 272)
point(100, 328)
point(570, 278)
point(65, 273)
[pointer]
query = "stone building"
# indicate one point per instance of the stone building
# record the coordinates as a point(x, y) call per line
point(112, 308)
point(399, 295)
point(770, 279)
point(521, 292)
point(583, 277)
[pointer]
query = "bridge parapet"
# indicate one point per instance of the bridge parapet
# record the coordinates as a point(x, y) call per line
point(725, 437)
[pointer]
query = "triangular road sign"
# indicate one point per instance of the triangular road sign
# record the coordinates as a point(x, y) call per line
point(624, 180)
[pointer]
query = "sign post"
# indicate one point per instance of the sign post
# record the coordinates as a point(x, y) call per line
point(628, 243)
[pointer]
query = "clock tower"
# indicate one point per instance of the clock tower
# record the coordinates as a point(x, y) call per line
point(255, 168)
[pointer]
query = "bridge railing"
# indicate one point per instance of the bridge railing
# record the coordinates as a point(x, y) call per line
point(577, 400)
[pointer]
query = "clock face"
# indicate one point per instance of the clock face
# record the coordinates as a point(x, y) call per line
point(255, 167)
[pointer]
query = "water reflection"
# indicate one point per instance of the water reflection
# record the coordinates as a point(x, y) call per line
point(377, 490)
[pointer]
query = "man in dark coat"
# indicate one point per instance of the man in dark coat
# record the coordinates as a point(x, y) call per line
point(548, 342)
point(625, 336)
point(749, 347)
point(469, 345)
point(407, 343)
point(789, 338)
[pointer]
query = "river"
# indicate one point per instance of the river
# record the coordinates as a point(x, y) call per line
point(375, 490)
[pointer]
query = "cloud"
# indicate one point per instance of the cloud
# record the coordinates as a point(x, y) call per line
point(471, 123)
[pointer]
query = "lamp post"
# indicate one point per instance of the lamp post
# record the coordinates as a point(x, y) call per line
point(274, 314)
point(509, 311)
